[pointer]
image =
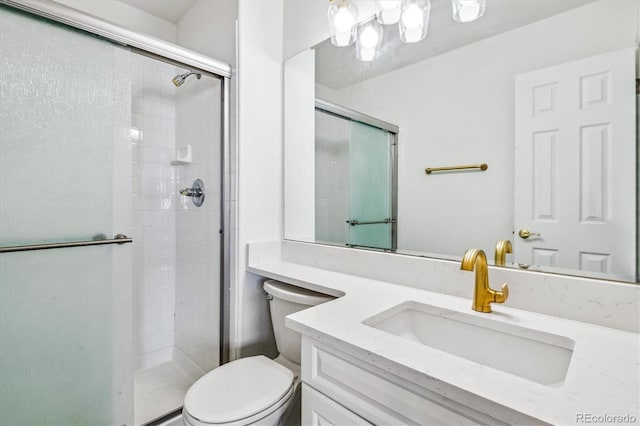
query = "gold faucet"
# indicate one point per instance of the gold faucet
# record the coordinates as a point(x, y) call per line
point(502, 248)
point(483, 295)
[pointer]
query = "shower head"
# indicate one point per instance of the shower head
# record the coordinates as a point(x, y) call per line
point(179, 79)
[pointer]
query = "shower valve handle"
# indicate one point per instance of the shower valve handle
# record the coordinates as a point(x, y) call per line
point(191, 192)
point(196, 192)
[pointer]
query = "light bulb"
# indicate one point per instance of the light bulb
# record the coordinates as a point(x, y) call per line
point(369, 37)
point(369, 40)
point(343, 20)
point(388, 11)
point(412, 17)
point(468, 10)
point(414, 20)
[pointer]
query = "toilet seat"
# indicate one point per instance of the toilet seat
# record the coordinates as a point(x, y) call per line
point(240, 392)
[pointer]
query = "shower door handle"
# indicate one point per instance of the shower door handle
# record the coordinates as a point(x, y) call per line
point(117, 239)
point(355, 222)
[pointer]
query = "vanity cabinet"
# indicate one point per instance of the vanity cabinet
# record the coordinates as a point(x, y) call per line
point(372, 395)
point(318, 410)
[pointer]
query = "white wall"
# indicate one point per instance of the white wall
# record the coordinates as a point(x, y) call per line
point(209, 27)
point(299, 150)
point(260, 153)
point(126, 16)
point(458, 108)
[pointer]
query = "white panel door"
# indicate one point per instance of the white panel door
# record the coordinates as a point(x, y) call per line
point(575, 159)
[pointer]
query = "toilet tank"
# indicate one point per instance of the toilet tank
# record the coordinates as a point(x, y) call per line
point(286, 299)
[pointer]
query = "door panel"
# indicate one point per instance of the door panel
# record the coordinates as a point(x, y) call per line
point(370, 186)
point(64, 176)
point(573, 123)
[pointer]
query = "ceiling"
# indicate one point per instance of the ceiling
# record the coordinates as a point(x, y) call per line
point(169, 10)
point(338, 67)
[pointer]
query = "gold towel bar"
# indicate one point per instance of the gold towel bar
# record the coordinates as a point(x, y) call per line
point(482, 167)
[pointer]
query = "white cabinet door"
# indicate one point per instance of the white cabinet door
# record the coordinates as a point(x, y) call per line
point(318, 410)
point(575, 159)
point(379, 396)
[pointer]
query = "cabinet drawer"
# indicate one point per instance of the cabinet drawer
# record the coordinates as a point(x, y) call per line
point(318, 410)
point(376, 396)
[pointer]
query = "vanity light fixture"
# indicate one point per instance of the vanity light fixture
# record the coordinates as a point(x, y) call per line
point(414, 20)
point(343, 22)
point(411, 16)
point(468, 10)
point(388, 11)
point(369, 40)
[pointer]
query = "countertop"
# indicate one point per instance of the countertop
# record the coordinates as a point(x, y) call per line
point(603, 377)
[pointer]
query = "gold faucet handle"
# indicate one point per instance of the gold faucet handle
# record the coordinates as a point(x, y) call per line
point(501, 296)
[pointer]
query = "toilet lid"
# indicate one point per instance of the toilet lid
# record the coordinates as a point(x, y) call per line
point(238, 390)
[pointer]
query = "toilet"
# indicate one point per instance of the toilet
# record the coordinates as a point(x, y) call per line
point(256, 390)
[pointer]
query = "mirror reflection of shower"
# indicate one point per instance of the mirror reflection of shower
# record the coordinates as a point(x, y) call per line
point(179, 79)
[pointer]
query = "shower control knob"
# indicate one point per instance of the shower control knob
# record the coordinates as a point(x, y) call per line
point(191, 192)
point(196, 192)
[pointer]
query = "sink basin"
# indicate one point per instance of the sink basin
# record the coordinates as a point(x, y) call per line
point(530, 354)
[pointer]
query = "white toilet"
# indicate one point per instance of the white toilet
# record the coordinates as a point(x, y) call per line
point(256, 390)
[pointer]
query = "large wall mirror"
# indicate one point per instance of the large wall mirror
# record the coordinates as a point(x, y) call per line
point(538, 98)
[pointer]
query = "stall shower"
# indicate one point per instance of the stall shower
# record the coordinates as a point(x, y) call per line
point(176, 243)
point(111, 194)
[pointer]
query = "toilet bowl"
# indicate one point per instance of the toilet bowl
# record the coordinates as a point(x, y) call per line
point(256, 390)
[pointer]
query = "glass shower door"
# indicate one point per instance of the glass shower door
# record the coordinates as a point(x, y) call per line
point(65, 313)
point(370, 187)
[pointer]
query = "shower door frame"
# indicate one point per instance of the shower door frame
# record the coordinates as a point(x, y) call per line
point(171, 53)
point(348, 114)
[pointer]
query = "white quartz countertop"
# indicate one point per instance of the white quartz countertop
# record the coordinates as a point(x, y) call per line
point(603, 377)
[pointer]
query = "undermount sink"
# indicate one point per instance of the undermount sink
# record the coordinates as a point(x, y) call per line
point(530, 354)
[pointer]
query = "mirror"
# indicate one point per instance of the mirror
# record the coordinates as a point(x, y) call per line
point(538, 98)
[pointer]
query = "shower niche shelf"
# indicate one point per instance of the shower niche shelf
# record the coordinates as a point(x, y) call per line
point(183, 156)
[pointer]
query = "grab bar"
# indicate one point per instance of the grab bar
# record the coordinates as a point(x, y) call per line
point(118, 239)
point(357, 222)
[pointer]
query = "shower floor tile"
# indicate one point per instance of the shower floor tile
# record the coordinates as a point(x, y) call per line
point(159, 390)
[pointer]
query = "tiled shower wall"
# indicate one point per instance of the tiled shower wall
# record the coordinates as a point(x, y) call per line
point(154, 214)
point(197, 324)
point(176, 244)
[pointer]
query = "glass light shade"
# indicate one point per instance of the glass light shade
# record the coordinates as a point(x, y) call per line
point(468, 10)
point(414, 20)
point(369, 40)
point(343, 22)
point(388, 11)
